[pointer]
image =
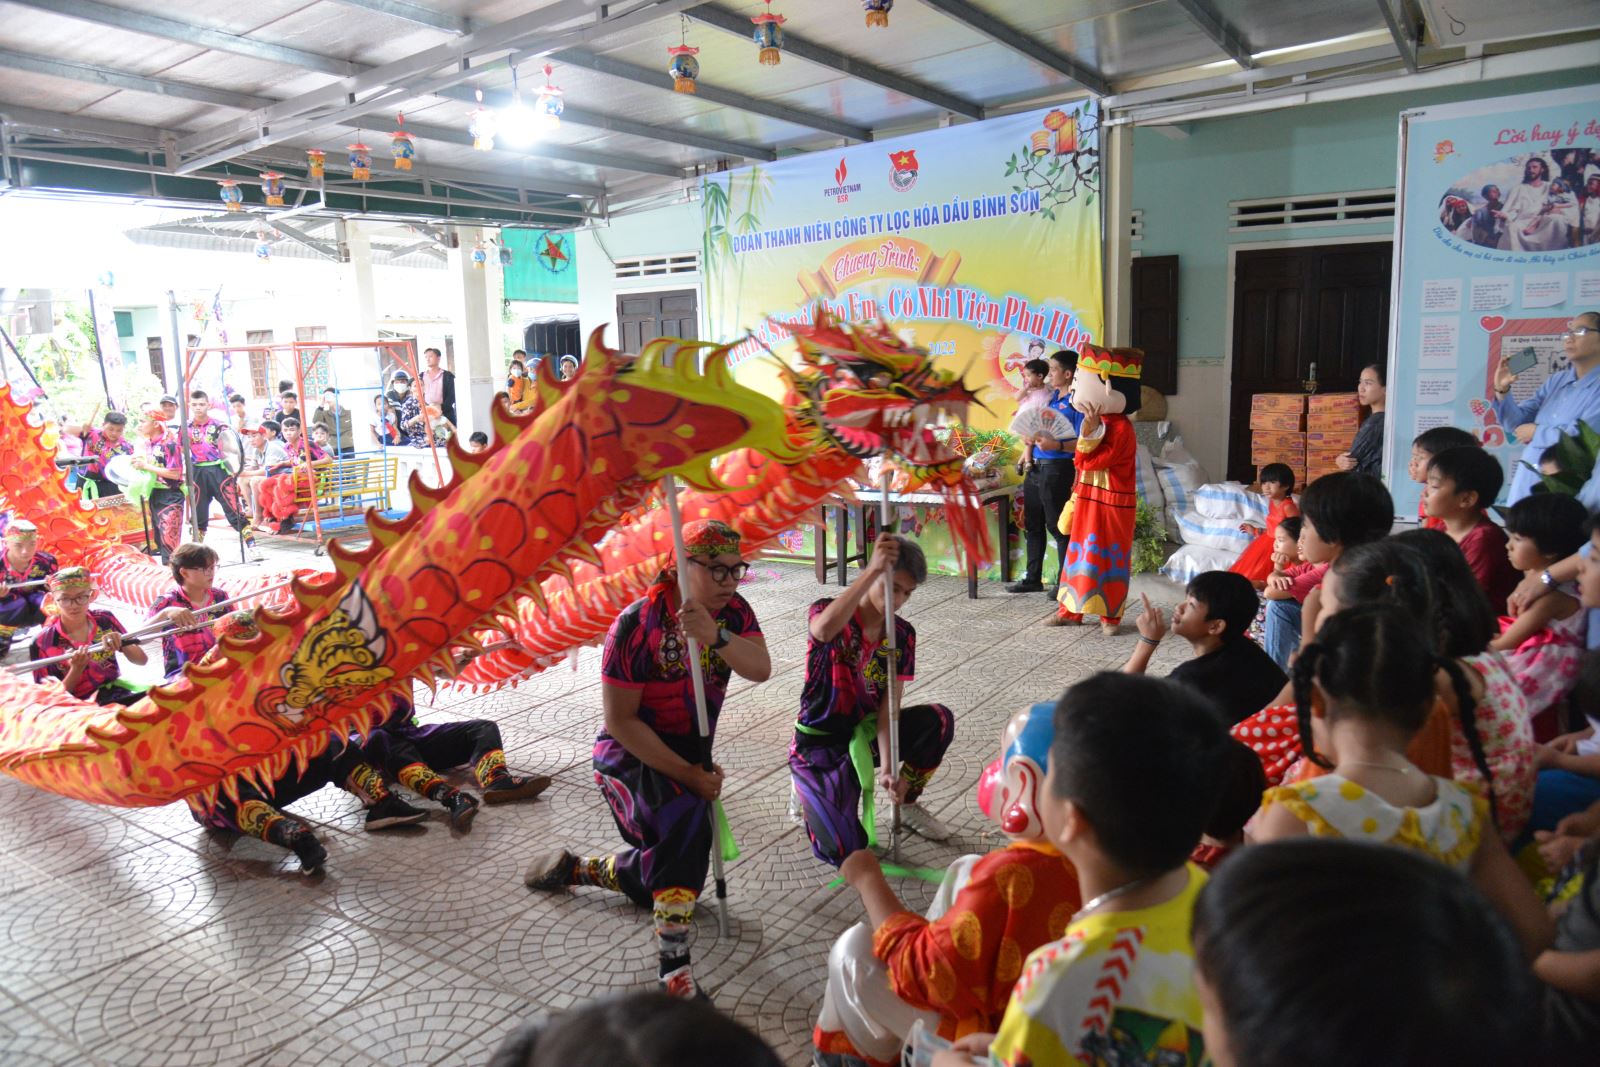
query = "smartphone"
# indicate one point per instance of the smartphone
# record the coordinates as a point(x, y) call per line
point(1523, 360)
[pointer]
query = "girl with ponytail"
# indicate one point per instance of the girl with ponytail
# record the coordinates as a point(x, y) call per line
point(1363, 689)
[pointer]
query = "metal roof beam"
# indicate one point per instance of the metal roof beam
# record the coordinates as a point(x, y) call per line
point(175, 30)
point(1407, 34)
point(975, 18)
point(321, 248)
point(1222, 35)
point(566, 22)
point(655, 79)
point(244, 101)
point(572, 57)
point(739, 26)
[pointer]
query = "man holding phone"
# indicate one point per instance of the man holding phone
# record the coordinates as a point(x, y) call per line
point(1564, 400)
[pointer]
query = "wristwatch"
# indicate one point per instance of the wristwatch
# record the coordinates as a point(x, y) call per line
point(723, 637)
point(1547, 578)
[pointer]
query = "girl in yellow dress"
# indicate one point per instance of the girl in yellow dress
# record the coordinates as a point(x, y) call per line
point(1362, 691)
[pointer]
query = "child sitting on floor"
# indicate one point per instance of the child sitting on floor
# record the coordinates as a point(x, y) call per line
point(1362, 691)
point(1462, 484)
point(1544, 644)
point(1424, 447)
point(953, 969)
point(1339, 511)
point(1131, 784)
point(1441, 981)
point(1228, 667)
point(1243, 782)
point(1255, 562)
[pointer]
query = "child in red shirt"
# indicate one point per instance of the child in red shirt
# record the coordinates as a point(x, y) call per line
point(1462, 484)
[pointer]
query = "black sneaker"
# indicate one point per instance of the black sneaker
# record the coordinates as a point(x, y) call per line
point(309, 849)
point(392, 811)
point(509, 787)
point(553, 870)
point(1025, 586)
point(461, 807)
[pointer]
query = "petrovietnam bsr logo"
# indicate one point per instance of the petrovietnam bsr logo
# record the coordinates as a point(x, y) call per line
point(840, 191)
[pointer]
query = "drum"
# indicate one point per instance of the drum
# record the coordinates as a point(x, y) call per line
point(120, 471)
point(231, 446)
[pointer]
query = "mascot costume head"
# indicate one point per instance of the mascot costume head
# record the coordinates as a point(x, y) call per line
point(1008, 791)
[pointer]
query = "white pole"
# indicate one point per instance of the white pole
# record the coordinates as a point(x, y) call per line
point(891, 674)
point(702, 718)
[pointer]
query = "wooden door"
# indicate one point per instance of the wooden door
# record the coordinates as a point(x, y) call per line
point(1155, 320)
point(642, 317)
point(1300, 313)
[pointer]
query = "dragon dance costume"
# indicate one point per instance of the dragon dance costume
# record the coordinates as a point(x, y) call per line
point(101, 678)
point(23, 607)
point(667, 825)
point(835, 740)
point(185, 646)
point(213, 482)
point(166, 494)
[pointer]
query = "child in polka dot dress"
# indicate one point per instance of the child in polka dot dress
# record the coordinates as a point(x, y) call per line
point(1367, 684)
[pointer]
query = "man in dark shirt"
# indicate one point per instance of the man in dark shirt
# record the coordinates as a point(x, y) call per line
point(1048, 484)
point(1234, 671)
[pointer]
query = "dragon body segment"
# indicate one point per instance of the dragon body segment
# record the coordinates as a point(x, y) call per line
point(858, 393)
point(525, 510)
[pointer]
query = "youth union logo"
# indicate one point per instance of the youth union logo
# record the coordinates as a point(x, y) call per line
point(840, 192)
point(903, 170)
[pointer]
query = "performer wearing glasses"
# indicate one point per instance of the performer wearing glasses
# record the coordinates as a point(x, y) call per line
point(92, 637)
point(648, 759)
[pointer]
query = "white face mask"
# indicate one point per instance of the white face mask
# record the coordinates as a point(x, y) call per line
point(402, 388)
point(327, 401)
point(516, 372)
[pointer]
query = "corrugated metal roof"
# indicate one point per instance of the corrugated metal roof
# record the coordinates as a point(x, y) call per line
point(141, 72)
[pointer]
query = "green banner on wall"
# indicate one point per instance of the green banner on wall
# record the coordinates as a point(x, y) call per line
point(544, 266)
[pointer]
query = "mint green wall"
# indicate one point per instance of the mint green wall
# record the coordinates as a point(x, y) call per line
point(1184, 185)
point(675, 228)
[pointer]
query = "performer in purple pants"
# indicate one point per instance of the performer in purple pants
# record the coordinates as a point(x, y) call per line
point(648, 759)
point(21, 561)
point(842, 732)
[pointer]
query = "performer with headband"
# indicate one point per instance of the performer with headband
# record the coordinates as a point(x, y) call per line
point(92, 637)
point(648, 759)
point(213, 480)
point(22, 562)
point(104, 444)
point(162, 456)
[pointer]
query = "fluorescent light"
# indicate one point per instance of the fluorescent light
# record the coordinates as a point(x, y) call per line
point(516, 124)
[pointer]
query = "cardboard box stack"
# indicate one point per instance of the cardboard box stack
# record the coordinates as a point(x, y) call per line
point(1277, 431)
point(1331, 423)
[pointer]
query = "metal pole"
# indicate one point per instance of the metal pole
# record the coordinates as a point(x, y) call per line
point(100, 352)
point(891, 674)
point(702, 718)
point(181, 366)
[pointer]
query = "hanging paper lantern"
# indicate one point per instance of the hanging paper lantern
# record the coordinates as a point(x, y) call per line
point(877, 11)
point(272, 187)
point(547, 109)
point(316, 163)
point(481, 125)
point(769, 36)
point(232, 195)
point(360, 161)
point(684, 68)
point(263, 245)
point(1040, 139)
point(1065, 127)
point(480, 255)
point(504, 253)
point(402, 146)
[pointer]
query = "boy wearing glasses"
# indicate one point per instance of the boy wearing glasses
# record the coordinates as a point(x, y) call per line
point(194, 567)
point(843, 729)
point(648, 761)
point(93, 638)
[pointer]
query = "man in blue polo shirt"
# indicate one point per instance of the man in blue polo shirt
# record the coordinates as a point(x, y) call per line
point(1048, 484)
point(1563, 401)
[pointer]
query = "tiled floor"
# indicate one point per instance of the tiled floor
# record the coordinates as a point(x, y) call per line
point(133, 937)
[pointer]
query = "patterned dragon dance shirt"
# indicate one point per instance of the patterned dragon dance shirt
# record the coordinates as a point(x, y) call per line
point(203, 440)
point(166, 452)
point(845, 677)
point(187, 646)
point(102, 667)
point(645, 651)
point(96, 445)
point(42, 565)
